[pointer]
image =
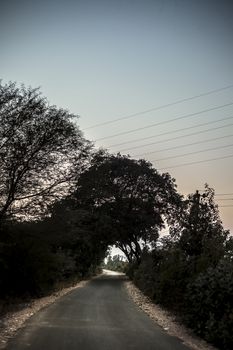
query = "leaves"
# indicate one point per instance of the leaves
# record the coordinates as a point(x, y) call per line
point(132, 194)
point(39, 147)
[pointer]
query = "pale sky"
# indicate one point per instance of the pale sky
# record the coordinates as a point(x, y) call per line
point(105, 60)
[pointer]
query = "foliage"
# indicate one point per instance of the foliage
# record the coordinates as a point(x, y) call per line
point(35, 256)
point(42, 153)
point(28, 266)
point(163, 276)
point(115, 263)
point(209, 304)
point(39, 144)
point(131, 197)
point(192, 272)
point(200, 229)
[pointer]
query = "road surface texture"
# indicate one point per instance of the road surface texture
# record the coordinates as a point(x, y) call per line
point(99, 316)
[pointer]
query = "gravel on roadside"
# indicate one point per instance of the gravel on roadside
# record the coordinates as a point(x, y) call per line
point(13, 321)
point(166, 320)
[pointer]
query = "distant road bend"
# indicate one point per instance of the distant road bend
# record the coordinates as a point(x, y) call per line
point(99, 316)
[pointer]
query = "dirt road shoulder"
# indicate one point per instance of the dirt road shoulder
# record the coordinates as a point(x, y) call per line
point(165, 319)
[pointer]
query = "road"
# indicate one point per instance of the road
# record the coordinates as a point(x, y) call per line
point(99, 316)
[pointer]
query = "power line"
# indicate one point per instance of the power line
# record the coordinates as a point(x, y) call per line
point(224, 206)
point(225, 199)
point(169, 132)
point(185, 145)
point(191, 153)
point(159, 107)
point(200, 161)
point(177, 137)
point(216, 194)
point(224, 194)
point(165, 121)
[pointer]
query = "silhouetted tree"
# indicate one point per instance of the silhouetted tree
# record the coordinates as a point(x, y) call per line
point(38, 146)
point(200, 231)
point(131, 195)
point(191, 272)
point(72, 232)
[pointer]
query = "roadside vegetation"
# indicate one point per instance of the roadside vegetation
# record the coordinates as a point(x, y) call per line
point(191, 273)
point(43, 243)
point(62, 203)
point(115, 263)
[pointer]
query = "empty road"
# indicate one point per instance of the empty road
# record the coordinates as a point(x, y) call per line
point(99, 316)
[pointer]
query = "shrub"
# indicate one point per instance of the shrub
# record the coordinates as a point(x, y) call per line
point(209, 304)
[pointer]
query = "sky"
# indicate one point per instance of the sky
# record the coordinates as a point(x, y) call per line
point(126, 65)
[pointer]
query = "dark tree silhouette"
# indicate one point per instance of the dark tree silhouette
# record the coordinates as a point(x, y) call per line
point(38, 145)
point(200, 232)
point(132, 196)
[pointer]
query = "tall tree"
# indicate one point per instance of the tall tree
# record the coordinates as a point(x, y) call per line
point(200, 233)
point(132, 196)
point(39, 144)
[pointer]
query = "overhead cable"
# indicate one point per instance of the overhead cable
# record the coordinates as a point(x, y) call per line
point(198, 162)
point(224, 194)
point(225, 199)
point(184, 145)
point(177, 137)
point(191, 153)
point(159, 107)
point(170, 132)
point(224, 206)
point(166, 121)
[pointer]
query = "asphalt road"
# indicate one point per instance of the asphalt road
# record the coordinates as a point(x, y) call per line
point(99, 316)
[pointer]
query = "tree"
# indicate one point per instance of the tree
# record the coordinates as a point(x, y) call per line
point(39, 145)
point(200, 233)
point(131, 195)
point(116, 263)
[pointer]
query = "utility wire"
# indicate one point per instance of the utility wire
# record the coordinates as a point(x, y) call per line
point(169, 132)
point(185, 145)
point(216, 194)
point(177, 137)
point(225, 199)
point(159, 107)
point(224, 206)
point(198, 162)
point(224, 194)
point(191, 153)
point(165, 121)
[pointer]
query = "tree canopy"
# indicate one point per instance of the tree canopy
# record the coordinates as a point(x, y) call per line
point(199, 230)
point(39, 147)
point(131, 195)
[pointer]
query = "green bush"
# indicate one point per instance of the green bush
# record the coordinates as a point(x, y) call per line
point(204, 301)
point(209, 304)
point(144, 275)
point(163, 276)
